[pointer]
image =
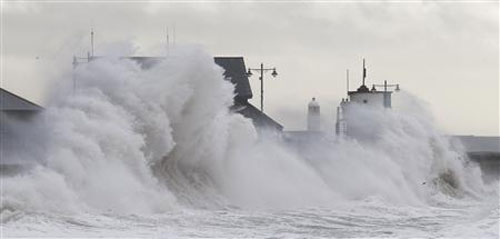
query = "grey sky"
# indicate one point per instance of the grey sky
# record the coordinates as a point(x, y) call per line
point(444, 52)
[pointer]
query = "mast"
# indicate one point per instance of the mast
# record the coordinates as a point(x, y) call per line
point(92, 42)
point(347, 83)
point(364, 71)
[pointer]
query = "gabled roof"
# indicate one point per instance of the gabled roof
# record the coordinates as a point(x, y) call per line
point(235, 70)
point(259, 119)
point(11, 101)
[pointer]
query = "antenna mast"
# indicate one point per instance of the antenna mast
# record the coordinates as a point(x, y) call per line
point(364, 71)
point(347, 79)
point(92, 42)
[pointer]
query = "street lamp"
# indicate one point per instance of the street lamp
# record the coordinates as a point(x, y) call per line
point(261, 78)
point(387, 94)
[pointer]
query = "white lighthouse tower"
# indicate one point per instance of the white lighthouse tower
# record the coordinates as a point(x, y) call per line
point(313, 116)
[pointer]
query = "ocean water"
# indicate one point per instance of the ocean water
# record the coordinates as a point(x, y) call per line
point(363, 219)
point(156, 152)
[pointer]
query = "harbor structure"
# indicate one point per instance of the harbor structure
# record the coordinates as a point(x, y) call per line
point(373, 97)
point(16, 113)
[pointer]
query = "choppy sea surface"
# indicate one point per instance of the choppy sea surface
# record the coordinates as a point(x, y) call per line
point(368, 218)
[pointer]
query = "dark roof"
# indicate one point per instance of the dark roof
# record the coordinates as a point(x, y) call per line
point(235, 70)
point(259, 119)
point(11, 101)
point(363, 88)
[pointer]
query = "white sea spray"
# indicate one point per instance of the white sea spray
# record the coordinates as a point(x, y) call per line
point(141, 141)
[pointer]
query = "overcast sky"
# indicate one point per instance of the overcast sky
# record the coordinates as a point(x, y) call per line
point(446, 53)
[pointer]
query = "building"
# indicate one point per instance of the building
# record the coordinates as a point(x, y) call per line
point(372, 97)
point(363, 96)
point(15, 112)
point(14, 106)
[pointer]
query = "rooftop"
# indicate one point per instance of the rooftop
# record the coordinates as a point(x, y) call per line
point(12, 102)
point(235, 70)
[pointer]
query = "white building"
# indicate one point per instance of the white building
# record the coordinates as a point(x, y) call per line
point(313, 116)
point(372, 98)
point(364, 96)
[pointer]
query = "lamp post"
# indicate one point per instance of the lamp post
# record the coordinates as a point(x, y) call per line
point(385, 85)
point(261, 78)
point(387, 94)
